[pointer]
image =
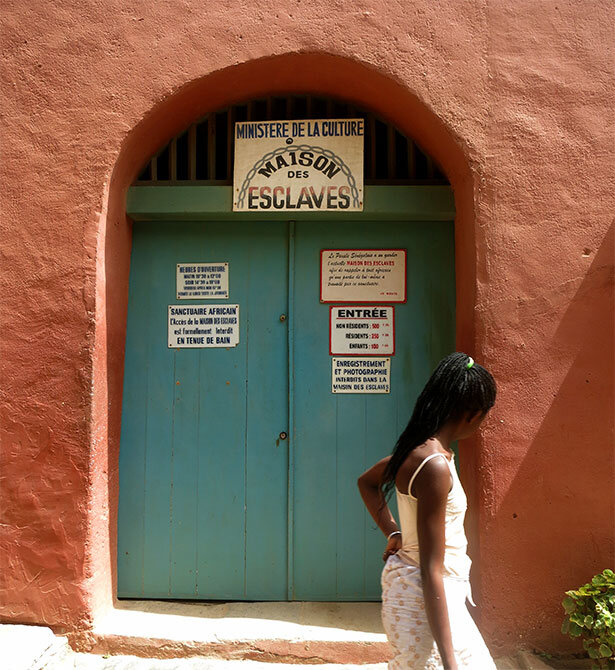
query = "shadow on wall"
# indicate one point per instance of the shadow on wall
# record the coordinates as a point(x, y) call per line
point(560, 505)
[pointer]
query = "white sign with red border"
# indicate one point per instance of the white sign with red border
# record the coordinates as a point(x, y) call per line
point(362, 330)
point(363, 275)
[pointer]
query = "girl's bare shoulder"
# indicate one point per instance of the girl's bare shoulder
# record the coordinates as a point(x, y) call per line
point(412, 462)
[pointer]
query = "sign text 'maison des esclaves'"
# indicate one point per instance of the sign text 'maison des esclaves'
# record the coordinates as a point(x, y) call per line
point(305, 165)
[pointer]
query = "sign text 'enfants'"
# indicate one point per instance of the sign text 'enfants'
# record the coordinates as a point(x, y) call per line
point(361, 330)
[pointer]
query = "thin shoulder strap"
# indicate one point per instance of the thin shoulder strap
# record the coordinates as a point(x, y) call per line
point(416, 472)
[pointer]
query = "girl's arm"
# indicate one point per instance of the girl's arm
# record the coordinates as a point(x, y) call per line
point(369, 486)
point(431, 488)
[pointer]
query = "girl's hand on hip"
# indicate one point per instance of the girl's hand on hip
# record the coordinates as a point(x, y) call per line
point(393, 546)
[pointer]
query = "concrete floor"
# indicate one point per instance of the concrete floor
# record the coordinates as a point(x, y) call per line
point(292, 632)
point(216, 622)
point(162, 635)
point(332, 635)
point(73, 661)
point(93, 662)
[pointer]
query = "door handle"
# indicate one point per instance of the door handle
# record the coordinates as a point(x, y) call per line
point(283, 435)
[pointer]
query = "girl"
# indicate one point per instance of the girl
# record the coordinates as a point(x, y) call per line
point(425, 581)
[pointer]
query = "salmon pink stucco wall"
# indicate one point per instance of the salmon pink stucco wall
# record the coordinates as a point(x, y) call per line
point(514, 100)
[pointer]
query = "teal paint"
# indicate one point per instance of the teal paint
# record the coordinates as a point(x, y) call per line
point(203, 483)
point(203, 203)
point(337, 549)
point(213, 505)
point(291, 407)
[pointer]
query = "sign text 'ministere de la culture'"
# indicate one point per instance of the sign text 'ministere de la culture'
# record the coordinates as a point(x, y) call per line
point(304, 165)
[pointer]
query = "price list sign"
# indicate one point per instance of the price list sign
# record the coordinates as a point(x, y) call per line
point(362, 330)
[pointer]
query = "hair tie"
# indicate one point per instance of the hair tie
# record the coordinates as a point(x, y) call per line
point(470, 363)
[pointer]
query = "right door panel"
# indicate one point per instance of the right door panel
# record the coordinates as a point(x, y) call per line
point(337, 548)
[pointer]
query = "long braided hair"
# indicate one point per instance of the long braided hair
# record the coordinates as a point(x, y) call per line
point(457, 388)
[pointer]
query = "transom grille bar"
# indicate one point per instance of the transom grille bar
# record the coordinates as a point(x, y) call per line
point(203, 153)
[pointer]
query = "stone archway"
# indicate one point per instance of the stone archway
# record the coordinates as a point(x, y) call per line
point(311, 73)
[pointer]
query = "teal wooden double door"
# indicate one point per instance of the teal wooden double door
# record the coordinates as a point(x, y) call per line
point(238, 466)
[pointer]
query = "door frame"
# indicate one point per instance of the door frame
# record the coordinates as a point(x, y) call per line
point(202, 203)
point(174, 203)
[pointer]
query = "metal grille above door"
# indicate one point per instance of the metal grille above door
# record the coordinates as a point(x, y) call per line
point(203, 153)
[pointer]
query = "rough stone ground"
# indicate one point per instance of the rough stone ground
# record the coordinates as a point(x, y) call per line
point(92, 662)
point(74, 661)
point(36, 648)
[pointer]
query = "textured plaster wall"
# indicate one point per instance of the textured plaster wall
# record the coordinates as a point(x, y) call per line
point(513, 99)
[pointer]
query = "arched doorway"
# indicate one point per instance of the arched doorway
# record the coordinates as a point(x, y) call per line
point(238, 465)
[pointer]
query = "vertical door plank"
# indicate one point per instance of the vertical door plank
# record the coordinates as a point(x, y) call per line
point(184, 475)
point(221, 486)
point(290, 494)
point(222, 433)
point(185, 443)
point(380, 436)
point(315, 476)
point(134, 425)
point(267, 413)
point(351, 441)
point(161, 364)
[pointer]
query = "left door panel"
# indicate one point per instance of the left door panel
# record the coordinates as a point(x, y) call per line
point(203, 474)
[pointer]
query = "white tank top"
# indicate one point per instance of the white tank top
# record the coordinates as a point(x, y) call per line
point(456, 560)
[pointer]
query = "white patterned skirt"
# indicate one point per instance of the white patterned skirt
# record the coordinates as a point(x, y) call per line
point(407, 628)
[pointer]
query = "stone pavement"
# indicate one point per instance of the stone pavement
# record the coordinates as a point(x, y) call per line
point(93, 662)
point(29, 647)
point(74, 661)
point(37, 648)
point(286, 632)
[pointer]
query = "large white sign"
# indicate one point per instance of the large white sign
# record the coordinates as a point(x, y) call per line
point(202, 280)
point(195, 326)
point(361, 375)
point(363, 275)
point(303, 165)
point(362, 330)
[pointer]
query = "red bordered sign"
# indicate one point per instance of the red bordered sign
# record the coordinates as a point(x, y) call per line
point(362, 330)
point(363, 275)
